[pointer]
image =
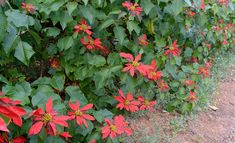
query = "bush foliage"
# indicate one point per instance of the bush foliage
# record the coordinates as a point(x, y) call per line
point(71, 69)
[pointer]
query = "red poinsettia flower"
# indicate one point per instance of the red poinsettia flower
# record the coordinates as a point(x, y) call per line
point(79, 114)
point(65, 135)
point(145, 104)
point(225, 42)
point(192, 97)
point(93, 44)
point(82, 26)
point(5, 139)
point(189, 82)
point(202, 6)
point(127, 102)
point(134, 9)
point(162, 85)
point(190, 13)
point(143, 40)
point(93, 141)
point(54, 63)
point(194, 60)
point(134, 64)
point(153, 73)
point(203, 71)
point(115, 127)
point(28, 7)
point(9, 109)
point(173, 50)
point(223, 2)
point(49, 119)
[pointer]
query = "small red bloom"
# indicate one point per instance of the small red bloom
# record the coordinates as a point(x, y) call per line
point(208, 46)
point(54, 63)
point(190, 13)
point(134, 64)
point(202, 6)
point(28, 7)
point(115, 127)
point(79, 114)
point(162, 85)
point(65, 135)
point(49, 119)
point(93, 141)
point(134, 9)
point(82, 26)
point(223, 2)
point(93, 44)
point(188, 82)
point(146, 104)
point(153, 73)
point(194, 60)
point(127, 102)
point(143, 40)
point(203, 71)
point(192, 97)
point(173, 50)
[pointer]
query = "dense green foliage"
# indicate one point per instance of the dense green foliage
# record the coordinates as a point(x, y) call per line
point(42, 56)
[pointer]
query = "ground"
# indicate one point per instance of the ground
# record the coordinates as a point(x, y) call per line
point(214, 126)
point(209, 126)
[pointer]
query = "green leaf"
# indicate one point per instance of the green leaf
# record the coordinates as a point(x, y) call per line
point(119, 34)
point(101, 114)
point(96, 60)
point(61, 16)
point(132, 25)
point(11, 39)
point(84, 130)
point(50, 6)
point(19, 19)
point(3, 25)
point(52, 31)
point(175, 7)
point(86, 12)
point(101, 77)
point(24, 52)
point(36, 37)
point(147, 5)
point(85, 1)
point(58, 81)
point(187, 107)
point(76, 94)
point(42, 81)
point(106, 24)
point(188, 52)
point(71, 6)
point(65, 43)
point(42, 94)
point(21, 91)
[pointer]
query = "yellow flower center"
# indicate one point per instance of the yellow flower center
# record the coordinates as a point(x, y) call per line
point(83, 26)
point(132, 8)
point(146, 102)
point(113, 128)
point(153, 73)
point(47, 118)
point(126, 102)
point(172, 48)
point(78, 113)
point(91, 42)
point(135, 64)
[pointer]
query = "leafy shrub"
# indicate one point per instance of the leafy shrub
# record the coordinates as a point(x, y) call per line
point(71, 68)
